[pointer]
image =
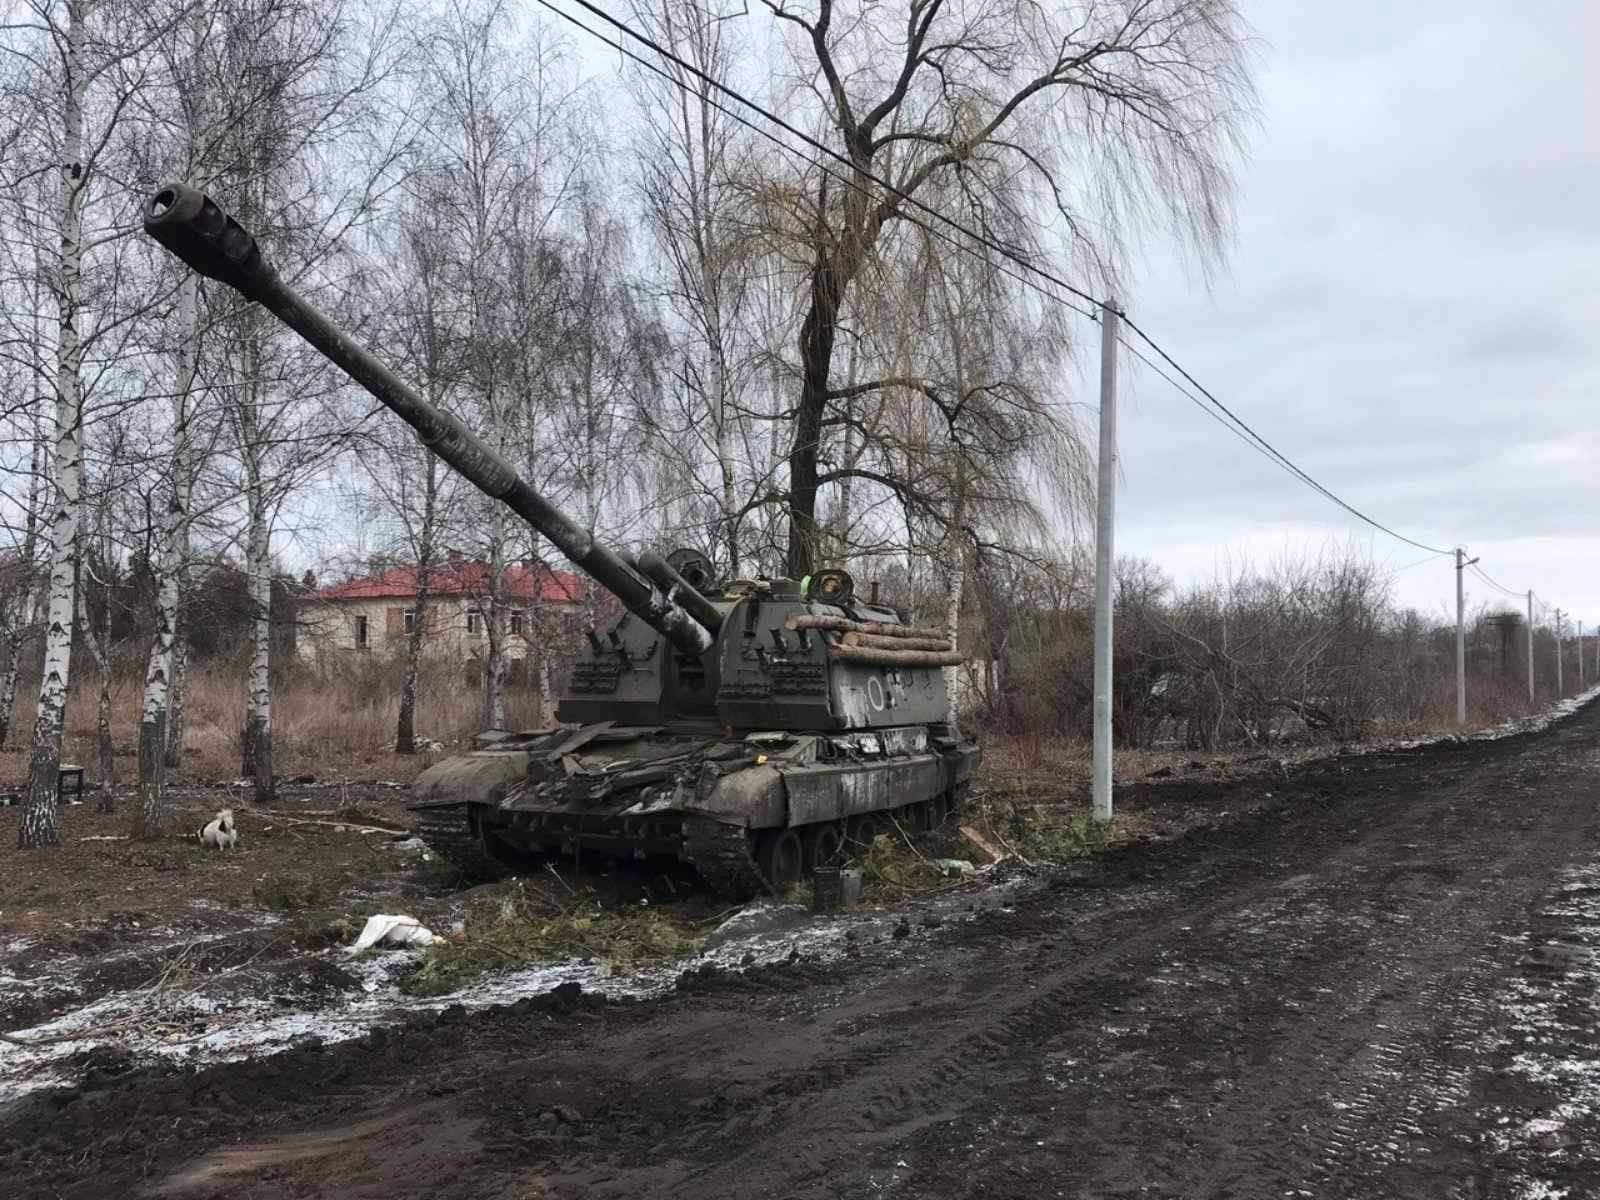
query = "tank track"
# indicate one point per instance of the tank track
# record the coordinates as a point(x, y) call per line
point(448, 833)
point(721, 854)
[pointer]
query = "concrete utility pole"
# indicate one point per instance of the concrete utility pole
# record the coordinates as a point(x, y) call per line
point(1560, 687)
point(1580, 656)
point(1531, 698)
point(1105, 560)
point(1462, 563)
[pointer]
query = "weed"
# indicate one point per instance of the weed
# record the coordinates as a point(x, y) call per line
point(524, 928)
point(1080, 836)
point(892, 869)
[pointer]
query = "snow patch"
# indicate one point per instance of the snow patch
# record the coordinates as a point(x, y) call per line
point(201, 1028)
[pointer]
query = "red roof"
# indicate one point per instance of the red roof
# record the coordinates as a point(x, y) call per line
point(464, 578)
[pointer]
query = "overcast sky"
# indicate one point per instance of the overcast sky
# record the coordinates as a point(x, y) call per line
point(1408, 312)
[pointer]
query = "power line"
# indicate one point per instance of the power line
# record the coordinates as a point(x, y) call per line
point(1233, 422)
point(1196, 401)
point(1484, 575)
point(1242, 430)
point(1420, 562)
point(821, 147)
point(1272, 450)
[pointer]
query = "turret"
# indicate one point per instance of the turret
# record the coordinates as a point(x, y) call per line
point(192, 226)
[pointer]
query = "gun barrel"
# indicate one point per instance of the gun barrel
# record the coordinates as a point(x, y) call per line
point(668, 579)
point(197, 230)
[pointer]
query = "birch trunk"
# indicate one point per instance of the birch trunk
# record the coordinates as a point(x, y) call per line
point(97, 641)
point(38, 827)
point(154, 714)
point(257, 757)
point(712, 261)
point(161, 744)
point(405, 737)
point(105, 761)
point(547, 704)
point(491, 612)
point(25, 602)
point(8, 678)
point(840, 550)
point(954, 576)
point(180, 647)
point(727, 499)
point(256, 739)
point(405, 734)
point(494, 699)
point(175, 693)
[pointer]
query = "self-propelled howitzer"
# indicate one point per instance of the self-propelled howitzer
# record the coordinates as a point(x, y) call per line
point(757, 729)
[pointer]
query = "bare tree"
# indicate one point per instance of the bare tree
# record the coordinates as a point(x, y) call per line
point(690, 153)
point(302, 78)
point(1109, 116)
point(499, 159)
point(83, 61)
point(416, 491)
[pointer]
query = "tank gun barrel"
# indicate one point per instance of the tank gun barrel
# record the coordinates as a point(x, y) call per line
point(197, 230)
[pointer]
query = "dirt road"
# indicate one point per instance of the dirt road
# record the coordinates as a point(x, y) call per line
point(1380, 981)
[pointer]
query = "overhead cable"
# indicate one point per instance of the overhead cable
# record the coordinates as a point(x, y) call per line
point(1484, 575)
point(1233, 421)
point(821, 147)
point(1271, 450)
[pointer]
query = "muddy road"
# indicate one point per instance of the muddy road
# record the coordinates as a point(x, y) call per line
point(1373, 978)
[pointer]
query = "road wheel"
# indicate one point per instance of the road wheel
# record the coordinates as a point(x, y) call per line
point(859, 832)
point(917, 818)
point(781, 858)
point(823, 845)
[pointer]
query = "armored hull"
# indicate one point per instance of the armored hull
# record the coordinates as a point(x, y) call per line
point(745, 812)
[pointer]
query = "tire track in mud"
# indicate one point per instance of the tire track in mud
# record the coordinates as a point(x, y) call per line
point(1384, 1055)
point(1306, 1001)
point(1434, 974)
point(1370, 1088)
point(846, 1136)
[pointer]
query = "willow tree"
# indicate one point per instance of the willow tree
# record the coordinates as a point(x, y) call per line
point(1097, 120)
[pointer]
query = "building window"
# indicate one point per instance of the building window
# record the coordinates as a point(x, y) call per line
point(361, 633)
point(409, 619)
point(474, 621)
point(516, 624)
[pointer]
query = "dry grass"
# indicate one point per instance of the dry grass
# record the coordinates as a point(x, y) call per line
point(341, 725)
point(515, 925)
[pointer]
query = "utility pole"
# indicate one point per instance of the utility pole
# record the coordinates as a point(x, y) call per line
point(1105, 560)
point(1462, 563)
point(1560, 687)
point(1531, 698)
point(1580, 656)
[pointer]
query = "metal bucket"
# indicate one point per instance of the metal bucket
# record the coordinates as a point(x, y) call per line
point(835, 888)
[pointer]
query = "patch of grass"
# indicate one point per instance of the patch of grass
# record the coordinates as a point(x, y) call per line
point(523, 928)
point(1079, 836)
point(892, 870)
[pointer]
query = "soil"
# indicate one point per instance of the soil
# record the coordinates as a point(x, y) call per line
point(1366, 976)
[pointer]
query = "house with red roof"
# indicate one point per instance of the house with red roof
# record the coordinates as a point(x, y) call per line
point(374, 614)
